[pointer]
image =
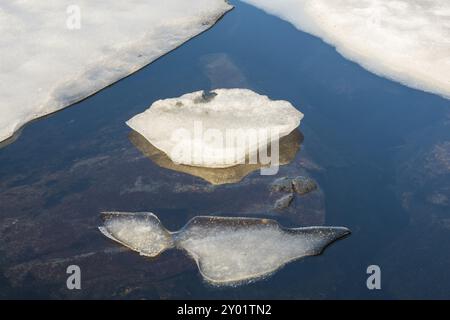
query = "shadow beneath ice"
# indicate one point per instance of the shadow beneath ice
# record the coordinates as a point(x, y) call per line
point(289, 147)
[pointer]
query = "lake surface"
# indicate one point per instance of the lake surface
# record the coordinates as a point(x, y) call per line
point(379, 151)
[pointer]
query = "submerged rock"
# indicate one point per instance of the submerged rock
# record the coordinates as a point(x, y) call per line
point(219, 129)
point(303, 185)
point(227, 251)
point(284, 202)
point(283, 184)
point(300, 185)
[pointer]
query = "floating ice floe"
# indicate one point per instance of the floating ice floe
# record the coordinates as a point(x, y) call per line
point(54, 53)
point(217, 129)
point(289, 147)
point(227, 251)
point(405, 40)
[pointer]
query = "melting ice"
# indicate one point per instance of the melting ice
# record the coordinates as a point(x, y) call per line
point(141, 232)
point(228, 251)
point(47, 65)
point(219, 129)
point(405, 40)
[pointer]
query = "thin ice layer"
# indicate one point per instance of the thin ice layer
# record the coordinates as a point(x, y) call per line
point(227, 250)
point(142, 232)
point(231, 250)
point(405, 40)
point(47, 64)
point(218, 129)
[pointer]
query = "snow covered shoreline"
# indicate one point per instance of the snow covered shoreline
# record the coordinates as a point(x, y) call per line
point(405, 40)
point(47, 66)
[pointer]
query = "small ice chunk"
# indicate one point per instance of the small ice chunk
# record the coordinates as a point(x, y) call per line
point(142, 232)
point(219, 129)
point(228, 251)
point(232, 250)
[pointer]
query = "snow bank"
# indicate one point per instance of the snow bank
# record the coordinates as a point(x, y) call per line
point(218, 129)
point(48, 64)
point(405, 40)
point(227, 251)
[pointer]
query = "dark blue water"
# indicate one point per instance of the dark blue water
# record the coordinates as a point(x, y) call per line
point(381, 153)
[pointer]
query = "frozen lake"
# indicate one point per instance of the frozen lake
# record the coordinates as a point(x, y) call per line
point(379, 151)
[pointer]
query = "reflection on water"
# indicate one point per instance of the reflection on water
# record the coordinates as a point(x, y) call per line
point(289, 147)
point(227, 251)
